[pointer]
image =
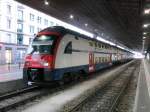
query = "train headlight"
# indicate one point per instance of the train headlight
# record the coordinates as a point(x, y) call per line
point(45, 64)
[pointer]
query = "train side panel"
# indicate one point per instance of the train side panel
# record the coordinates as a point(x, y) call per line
point(79, 58)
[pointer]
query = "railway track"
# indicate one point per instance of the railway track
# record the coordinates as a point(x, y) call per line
point(13, 99)
point(17, 92)
point(106, 99)
point(126, 103)
point(23, 96)
point(20, 97)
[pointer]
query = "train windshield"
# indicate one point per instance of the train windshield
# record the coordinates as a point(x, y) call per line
point(43, 44)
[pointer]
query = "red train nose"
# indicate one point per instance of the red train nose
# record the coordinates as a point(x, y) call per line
point(39, 61)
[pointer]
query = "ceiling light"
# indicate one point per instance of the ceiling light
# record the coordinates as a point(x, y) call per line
point(145, 25)
point(86, 24)
point(144, 33)
point(71, 16)
point(138, 55)
point(144, 37)
point(46, 2)
point(95, 30)
point(146, 11)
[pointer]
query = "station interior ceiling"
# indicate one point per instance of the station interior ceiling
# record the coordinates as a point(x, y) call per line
point(119, 21)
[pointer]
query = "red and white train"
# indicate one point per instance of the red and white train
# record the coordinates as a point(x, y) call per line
point(57, 53)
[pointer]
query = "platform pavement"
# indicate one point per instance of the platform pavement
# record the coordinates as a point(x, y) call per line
point(10, 72)
point(7, 68)
point(142, 100)
point(11, 78)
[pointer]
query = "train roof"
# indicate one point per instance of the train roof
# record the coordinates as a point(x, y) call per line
point(61, 30)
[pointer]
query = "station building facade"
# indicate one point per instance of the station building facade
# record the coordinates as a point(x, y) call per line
point(18, 24)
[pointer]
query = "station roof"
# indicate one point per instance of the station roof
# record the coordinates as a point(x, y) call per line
point(119, 21)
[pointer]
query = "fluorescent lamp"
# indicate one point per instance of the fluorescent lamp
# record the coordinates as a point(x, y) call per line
point(71, 16)
point(46, 2)
point(146, 11)
point(86, 24)
point(145, 25)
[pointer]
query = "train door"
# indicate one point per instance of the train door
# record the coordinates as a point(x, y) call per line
point(91, 62)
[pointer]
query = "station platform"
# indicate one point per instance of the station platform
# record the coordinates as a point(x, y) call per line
point(10, 72)
point(142, 100)
point(11, 78)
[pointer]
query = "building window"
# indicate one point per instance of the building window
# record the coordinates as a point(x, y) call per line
point(38, 29)
point(31, 29)
point(19, 33)
point(39, 20)
point(20, 54)
point(30, 40)
point(51, 23)
point(31, 17)
point(45, 22)
point(8, 9)
point(19, 38)
point(20, 15)
point(8, 38)
point(20, 27)
point(8, 23)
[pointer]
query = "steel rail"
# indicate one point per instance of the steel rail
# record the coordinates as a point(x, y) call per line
point(17, 92)
point(115, 101)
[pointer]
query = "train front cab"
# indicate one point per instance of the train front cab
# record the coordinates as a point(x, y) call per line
point(40, 59)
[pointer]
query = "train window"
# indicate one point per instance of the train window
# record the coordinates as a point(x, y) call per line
point(43, 44)
point(95, 44)
point(106, 46)
point(91, 44)
point(76, 38)
point(99, 59)
point(96, 60)
point(106, 59)
point(99, 45)
point(102, 46)
point(102, 59)
point(68, 49)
